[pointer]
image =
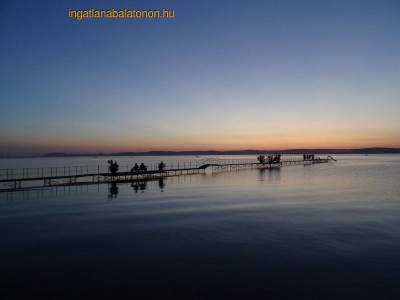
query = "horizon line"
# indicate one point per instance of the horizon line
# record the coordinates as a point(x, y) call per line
point(217, 152)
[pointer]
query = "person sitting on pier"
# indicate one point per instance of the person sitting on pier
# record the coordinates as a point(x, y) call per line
point(135, 168)
point(142, 167)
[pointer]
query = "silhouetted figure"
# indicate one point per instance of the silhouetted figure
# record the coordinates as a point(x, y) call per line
point(135, 168)
point(304, 157)
point(142, 167)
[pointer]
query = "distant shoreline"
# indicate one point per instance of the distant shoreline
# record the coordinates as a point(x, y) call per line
point(376, 150)
point(239, 152)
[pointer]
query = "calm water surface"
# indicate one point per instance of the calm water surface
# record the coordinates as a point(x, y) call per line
point(324, 231)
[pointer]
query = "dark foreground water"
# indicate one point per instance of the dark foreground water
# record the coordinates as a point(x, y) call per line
point(326, 231)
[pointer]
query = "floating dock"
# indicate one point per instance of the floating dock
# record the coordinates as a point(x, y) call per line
point(25, 178)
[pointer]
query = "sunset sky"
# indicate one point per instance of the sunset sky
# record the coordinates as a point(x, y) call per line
point(220, 75)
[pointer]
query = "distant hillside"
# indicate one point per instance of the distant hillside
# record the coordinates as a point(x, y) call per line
point(240, 152)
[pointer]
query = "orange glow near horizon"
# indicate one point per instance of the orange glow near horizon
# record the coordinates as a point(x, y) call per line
point(243, 139)
point(115, 145)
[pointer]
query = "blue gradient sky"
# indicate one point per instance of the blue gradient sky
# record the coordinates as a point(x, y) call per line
point(223, 75)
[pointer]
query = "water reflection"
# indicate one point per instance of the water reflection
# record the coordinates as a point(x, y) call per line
point(161, 184)
point(113, 190)
point(270, 175)
point(139, 185)
point(227, 231)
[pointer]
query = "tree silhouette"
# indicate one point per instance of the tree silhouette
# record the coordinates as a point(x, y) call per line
point(113, 167)
point(261, 159)
point(161, 166)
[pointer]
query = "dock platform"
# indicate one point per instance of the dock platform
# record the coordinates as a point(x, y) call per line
point(25, 178)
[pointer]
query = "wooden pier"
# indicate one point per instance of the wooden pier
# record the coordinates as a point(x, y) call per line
point(18, 179)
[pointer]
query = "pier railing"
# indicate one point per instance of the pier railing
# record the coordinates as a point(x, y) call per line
point(47, 172)
point(234, 161)
point(27, 173)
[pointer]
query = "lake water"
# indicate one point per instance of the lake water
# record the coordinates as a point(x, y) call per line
point(323, 231)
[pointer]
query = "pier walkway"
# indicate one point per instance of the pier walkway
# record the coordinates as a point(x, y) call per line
point(25, 178)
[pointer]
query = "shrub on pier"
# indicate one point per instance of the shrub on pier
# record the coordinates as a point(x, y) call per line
point(113, 167)
point(261, 159)
point(161, 166)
